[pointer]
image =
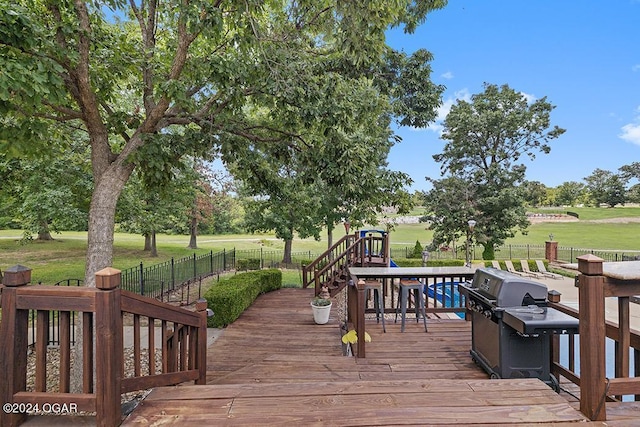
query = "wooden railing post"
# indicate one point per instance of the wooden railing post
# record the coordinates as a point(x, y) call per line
point(13, 341)
point(110, 347)
point(554, 297)
point(201, 351)
point(592, 337)
point(360, 329)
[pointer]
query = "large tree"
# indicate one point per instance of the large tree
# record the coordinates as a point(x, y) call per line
point(201, 66)
point(486, 138)
point(45, 194)
point(606, 188)
point(569, 193)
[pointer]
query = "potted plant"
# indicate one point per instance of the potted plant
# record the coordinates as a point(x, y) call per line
point(321, 309)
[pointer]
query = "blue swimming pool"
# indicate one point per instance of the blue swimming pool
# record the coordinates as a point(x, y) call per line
point(445, 293)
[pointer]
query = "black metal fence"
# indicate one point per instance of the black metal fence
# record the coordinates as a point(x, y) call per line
point(570, 254)
point(565, 254)
point(157, 280)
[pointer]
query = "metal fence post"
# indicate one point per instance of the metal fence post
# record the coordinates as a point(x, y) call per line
point(195, 265)
point(141, 279)
point(173, 274)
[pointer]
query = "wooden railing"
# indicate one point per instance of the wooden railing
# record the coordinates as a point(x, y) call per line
point(102, 310)
point(330, 267)
point(316, 271)
point(443, 299)
point(595, 387)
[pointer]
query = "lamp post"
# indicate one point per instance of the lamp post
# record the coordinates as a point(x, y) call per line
point(347, 226)
point(471, 223)
point(425, 256)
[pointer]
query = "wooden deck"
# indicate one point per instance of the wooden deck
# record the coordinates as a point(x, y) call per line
point(274, 366)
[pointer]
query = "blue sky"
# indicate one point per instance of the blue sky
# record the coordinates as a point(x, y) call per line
point(584, 56)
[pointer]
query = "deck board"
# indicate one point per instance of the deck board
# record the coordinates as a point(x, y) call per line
point(274, 366)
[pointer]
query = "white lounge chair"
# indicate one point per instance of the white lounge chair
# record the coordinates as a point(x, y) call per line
point(543, 270)
point(496, 264)
point(525, 269)
point(511, 268)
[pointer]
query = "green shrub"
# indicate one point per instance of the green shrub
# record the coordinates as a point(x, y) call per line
point(417, 250)
point(230, 297)
point(248, 264)
point(412, 262)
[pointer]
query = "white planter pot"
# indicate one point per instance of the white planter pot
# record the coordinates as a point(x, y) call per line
point(321, 313)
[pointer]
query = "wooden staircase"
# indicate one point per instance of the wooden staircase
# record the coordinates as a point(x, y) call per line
point(331, 267)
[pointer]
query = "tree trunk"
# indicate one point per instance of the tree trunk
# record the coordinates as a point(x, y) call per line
point(108, 187)
point(44, 233)
point(154, 247)
point(286, 258)
point(193, 232)
point(147, 242)
point(102, 224)
point(329, 237)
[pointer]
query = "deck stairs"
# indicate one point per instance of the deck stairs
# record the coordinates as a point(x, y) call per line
point(331, 268)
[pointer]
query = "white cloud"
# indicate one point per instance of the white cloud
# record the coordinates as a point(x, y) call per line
point(530, 98)
point(444, 109)
point(448, 75)
point(631, 131)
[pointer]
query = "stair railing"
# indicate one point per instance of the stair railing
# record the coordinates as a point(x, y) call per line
point(330, 268)
point(336, 251)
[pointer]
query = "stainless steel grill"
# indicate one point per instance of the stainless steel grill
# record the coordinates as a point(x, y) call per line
point(511, 325)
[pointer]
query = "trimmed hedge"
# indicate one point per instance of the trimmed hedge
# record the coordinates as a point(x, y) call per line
point(412, 262)
point(248, 264)
point(231, 296)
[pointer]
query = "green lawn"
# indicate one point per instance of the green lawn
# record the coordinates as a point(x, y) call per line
point(63, 257)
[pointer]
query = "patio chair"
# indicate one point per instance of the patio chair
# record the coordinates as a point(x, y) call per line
point(525, 269)
point(543, 270)
point(496, 264)
point(511, 268)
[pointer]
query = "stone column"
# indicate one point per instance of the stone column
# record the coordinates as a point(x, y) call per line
point(551, 250)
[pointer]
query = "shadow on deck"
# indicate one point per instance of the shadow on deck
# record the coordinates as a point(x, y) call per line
point(274, 366)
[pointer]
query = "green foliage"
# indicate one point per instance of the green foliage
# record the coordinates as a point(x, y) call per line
point(534, 193)
point(569, 193)
point(605, 187)
point(417, 250)
point(248, 264)
point(484, 178)
point(231, 296)
point(320, 302)
point(152, 82)
point(412, 262)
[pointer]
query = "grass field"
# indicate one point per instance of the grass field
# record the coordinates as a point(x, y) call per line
point(63, 258)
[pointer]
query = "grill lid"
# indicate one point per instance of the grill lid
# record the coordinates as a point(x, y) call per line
point(506, 289)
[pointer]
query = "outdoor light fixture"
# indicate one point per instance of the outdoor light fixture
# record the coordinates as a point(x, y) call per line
point(551, 237)
point(425, 256)
point(347, 226)
point(472, 223)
